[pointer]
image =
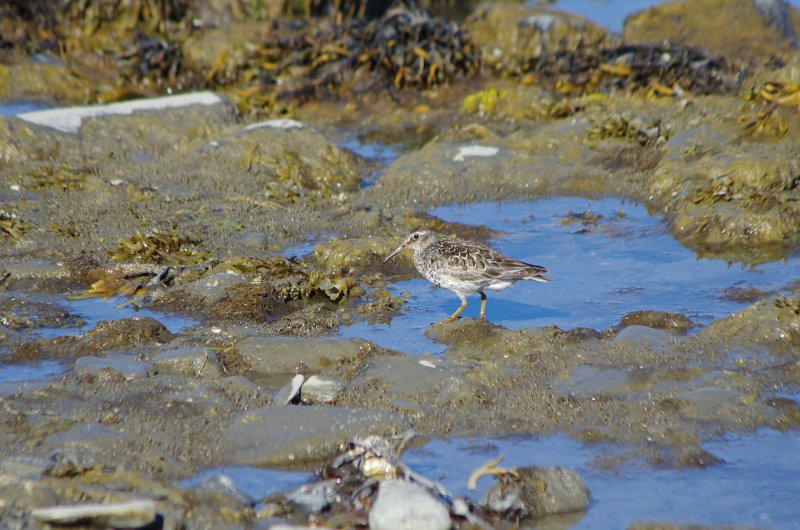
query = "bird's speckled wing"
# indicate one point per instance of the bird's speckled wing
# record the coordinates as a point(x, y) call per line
point(471, 261)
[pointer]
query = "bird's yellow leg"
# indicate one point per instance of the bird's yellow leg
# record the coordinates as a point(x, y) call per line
point(482, 316)
point(459, 310)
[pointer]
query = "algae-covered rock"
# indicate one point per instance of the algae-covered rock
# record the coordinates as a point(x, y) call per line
point(511, 34)
point(723, 196)
point(736, 29)
point(338, 254)
point(536, 492)
point(773, 323)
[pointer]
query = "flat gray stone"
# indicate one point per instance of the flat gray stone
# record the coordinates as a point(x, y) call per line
point(280, 355)
point(69, 119)
point(127, 366)
point(214, 287)
point(192, 362)
point(319, 390)
point(274, 436)
point(405, 375)
point(405, 506)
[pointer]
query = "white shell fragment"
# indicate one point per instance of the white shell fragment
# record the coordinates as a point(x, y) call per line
point(475, 150)
point(289, 392)
point(278, 123)
point(69, 119)
point(130, 514)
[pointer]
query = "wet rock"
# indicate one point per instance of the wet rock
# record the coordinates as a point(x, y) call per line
point(255, 240)
point(642, 343)
point(23, 467)
point(276, 355)
point(222, 50)
point(711, 403)
point(273, 436)
point(301, 161)
point(403, 505)
point(511, 34)
point(312, 498)
point(719, 197)
point(694, 456)
point(337, 254)
point(244, 392)
point(221, 483)
point(18, 313)
point(213, 287)
point(675, 322)
point(774, 323)
point(403, 376)
point(191, 362)
point(111, 367)
point(745, 295)
point(127, 332)
point(589, 381)
point(536, 492)
point(738, 29)
point(317, 390)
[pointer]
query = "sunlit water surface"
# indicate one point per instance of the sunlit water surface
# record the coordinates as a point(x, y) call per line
point(758, 484)
point(626, 261)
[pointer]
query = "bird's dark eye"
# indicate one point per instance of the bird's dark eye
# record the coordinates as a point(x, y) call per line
point(415, 236)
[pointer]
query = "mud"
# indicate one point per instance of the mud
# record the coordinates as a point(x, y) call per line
point(191, 210)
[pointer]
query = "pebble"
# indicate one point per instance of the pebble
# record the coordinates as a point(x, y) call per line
point(319, 390)
point(405, 506)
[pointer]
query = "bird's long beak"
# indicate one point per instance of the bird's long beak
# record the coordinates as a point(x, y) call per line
point(396, 251)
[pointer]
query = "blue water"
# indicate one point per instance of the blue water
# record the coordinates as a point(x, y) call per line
point(18, 107)
point(253, 481)
point(382, 153)
point(627, 262)
point(18, 373)
point(758, 484)
point(94, 310)
point(91, 311)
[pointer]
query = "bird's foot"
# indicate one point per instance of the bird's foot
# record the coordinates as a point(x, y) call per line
point(445, 321)
point(490, 468)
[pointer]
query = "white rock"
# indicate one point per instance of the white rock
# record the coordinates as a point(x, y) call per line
point(69, 119)
point(405, 506)
point(475, 150)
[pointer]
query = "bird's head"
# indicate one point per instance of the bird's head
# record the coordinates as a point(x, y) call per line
point(419, 237)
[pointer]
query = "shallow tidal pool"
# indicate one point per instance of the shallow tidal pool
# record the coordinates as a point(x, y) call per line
point(606, 257)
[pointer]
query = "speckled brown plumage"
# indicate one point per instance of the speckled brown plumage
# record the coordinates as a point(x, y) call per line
point(464, 266)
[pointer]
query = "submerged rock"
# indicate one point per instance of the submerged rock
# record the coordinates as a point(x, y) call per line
point(536, 492)
point(675, 322)
point(405, 506)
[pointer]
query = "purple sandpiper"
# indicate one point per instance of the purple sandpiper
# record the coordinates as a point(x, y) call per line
point(464, 266)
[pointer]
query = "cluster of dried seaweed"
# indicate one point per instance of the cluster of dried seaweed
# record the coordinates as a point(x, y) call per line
point(660, 69)
point(405, 47)
point(11, 226)
point(161, 247)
